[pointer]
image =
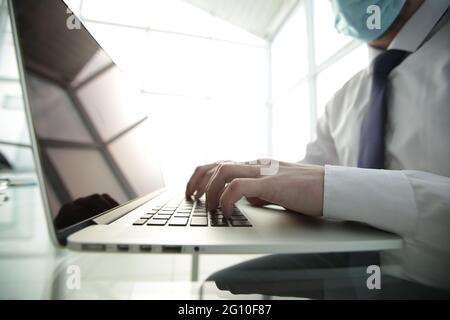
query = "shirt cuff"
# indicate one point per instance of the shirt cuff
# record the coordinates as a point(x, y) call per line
point(381, 198)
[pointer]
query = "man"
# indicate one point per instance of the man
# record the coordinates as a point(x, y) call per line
point(382, 152)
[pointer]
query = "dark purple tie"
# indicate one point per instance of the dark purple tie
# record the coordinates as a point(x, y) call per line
point(371, 143)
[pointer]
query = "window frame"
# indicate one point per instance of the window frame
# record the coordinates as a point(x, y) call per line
point(314, 69)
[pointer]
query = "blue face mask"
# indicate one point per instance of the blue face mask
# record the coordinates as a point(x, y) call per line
point(366, 20)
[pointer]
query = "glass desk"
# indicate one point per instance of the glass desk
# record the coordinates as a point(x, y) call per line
point(31, 267)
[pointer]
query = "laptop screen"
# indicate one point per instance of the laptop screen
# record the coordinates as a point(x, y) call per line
point(95, 143)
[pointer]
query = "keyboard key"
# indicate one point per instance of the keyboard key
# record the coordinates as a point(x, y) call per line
point(147, 216)
point(157, 222)
point(181, 215)
point(153, 211)
point(166, 211)
point(237, 223)
point(183, 211)
point(219, 223)
point(238, 218)
point(199, 222)
point(178, 221)
point(140, 222)
point(199, 214)
point(161, 217)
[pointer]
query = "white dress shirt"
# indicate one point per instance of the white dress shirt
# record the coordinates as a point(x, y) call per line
point(412, 197)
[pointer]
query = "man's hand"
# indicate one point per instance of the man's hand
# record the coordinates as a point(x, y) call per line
point(293, 186)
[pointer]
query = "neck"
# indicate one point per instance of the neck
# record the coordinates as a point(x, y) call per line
point(411, 6)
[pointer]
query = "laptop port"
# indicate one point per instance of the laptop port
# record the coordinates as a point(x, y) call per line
point(93, 247)
point(146, 248)
point(171, 249)
point(122, 247)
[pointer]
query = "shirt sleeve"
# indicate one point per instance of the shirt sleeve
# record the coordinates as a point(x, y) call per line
point(413, 204)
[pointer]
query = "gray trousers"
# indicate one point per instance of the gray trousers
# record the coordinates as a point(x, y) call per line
point(318, 276)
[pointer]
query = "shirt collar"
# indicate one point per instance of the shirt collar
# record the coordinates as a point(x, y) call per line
point(416, 30)
point(418, 27)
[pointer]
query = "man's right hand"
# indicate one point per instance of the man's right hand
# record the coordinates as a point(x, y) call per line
point(198, 183)
point(295, 186)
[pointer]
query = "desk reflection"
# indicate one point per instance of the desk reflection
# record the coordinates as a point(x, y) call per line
point(317, 276)
point(83, 208)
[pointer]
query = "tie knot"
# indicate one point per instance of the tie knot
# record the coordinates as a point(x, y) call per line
point(387, 61)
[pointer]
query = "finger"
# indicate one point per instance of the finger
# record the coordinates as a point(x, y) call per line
point(238, 188)
point(257, 202)
point(224, 174)
point(196, 177)
point(201, 189)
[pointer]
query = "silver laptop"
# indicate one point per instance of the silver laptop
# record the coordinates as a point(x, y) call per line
point(97, 160)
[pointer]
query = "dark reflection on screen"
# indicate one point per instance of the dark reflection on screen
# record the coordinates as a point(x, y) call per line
point(96, 147)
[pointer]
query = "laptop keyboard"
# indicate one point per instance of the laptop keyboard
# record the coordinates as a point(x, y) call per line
point(186, 213)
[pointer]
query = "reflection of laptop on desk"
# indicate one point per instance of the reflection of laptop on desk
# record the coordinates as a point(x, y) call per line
point(93, 145)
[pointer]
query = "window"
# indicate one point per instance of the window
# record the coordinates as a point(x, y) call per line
point(204, 81)
point(290, 53)
point(291, 124)
point(14, 138)
point(310, 62)
point(200, 74)
point(332, 78)
point(327, 40)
